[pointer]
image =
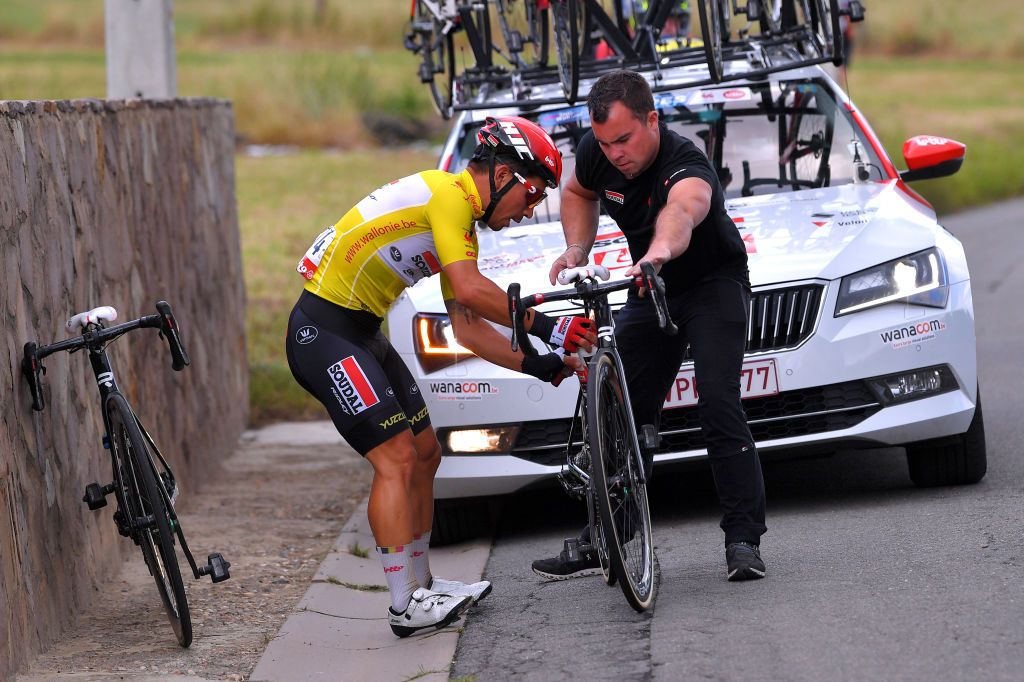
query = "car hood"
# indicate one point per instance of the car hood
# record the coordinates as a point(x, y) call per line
point(810, 234)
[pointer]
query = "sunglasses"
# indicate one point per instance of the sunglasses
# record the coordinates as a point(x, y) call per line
point(531, 191)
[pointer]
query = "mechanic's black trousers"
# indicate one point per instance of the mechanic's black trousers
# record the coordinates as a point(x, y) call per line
point(712, 319)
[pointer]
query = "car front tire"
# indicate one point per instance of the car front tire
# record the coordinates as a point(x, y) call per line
point(954, 460)
point(458, 520)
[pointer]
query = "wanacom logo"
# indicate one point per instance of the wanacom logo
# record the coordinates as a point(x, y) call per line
point(351, 387)
point(617, 197)
point(462, 390)
point(912, 333)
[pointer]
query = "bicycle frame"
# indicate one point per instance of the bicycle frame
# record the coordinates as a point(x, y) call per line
point(600, 310)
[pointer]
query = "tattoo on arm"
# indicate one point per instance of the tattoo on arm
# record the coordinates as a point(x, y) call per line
point(459, 309)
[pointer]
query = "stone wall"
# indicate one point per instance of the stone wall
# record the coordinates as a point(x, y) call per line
point(121, 204)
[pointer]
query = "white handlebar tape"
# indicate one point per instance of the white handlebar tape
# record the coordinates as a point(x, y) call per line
point(104, 313)
point(570, 275)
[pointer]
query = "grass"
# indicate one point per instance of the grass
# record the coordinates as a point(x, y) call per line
point(354, 586)
point(343, 24)
point(280, 95)
point(283, 203)
point(943, 27)
point(978, 102)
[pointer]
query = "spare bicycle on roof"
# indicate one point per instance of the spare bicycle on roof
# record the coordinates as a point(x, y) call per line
point(517, 46)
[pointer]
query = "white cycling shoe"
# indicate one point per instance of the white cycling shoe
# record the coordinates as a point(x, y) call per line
point(427, 609)
point(453, 587)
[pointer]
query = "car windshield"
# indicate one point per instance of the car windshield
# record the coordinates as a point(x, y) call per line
point(776, 136)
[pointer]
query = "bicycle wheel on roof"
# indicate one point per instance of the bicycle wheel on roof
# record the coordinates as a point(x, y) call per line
point(567, 20)
point(524, 29)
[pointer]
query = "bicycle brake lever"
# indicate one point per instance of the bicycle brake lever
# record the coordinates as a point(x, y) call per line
point(513, 311)
point(656, 285)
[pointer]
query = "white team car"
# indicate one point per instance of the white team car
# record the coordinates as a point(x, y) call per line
point(861, 325)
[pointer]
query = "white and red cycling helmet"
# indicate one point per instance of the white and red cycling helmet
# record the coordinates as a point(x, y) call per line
point(516, 137)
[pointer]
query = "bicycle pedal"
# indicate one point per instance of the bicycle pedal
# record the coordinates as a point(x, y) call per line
point(96, 495)
point(216, 567)
point(650, 438)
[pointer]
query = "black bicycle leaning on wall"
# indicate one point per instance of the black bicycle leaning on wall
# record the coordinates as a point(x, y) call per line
point(143, 484)
point(604, 465)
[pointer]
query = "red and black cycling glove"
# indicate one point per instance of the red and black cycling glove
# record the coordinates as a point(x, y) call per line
point(568, 332)
point(546, 367)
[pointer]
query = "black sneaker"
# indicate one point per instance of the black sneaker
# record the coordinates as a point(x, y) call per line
point(744, 561)
point(577, 559)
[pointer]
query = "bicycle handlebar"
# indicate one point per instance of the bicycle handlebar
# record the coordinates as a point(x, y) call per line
point(92, 337)
point(587, 289)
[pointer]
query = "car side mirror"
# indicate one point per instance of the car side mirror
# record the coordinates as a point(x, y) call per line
point(929, 156)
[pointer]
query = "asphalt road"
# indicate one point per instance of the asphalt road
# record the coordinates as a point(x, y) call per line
point(869, 577)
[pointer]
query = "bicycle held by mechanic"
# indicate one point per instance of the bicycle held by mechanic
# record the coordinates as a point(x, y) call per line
point(605, 466)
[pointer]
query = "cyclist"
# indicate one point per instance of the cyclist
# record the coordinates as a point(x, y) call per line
point(412, 228)
point(666, 198)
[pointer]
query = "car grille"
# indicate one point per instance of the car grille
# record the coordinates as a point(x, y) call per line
point(778, 319)
point(782, 318)
point(792, 413)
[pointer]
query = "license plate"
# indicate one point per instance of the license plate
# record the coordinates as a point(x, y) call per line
point(757, 379)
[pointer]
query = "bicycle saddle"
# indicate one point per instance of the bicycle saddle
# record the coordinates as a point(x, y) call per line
point(104, 313)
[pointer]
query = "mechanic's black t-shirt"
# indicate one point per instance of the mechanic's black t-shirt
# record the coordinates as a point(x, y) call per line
point(715, 245)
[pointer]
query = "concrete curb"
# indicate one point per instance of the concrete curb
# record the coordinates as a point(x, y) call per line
point(339, 629)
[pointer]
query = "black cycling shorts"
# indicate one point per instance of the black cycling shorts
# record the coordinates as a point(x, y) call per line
point(341, 357)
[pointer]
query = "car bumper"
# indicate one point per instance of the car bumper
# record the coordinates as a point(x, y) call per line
point(843, 352)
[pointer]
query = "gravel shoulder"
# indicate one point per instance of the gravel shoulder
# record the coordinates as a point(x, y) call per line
point(274, 511)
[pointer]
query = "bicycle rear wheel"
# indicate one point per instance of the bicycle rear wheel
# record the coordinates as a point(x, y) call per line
point(825, 27)
point(437, 55)
point(711, 29)
point(148, 518)
point(567, 18)
point(525, 31)
point(616, 474)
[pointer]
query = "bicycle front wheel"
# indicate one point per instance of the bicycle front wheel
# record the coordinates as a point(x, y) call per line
point(146, 513)
point(617, 479)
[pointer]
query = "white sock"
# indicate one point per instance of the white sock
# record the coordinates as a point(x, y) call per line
point(398, 571)
point(421, 558)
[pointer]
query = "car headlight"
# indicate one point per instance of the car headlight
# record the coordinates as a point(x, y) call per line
point(914, 384)
point(479, 440)
point(919, 278)
point(436, 347)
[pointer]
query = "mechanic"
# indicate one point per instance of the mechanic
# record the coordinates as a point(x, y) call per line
point(666, 198)
point(409, 229)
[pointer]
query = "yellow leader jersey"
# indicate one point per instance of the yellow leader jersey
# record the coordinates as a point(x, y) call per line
point(400, 233)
